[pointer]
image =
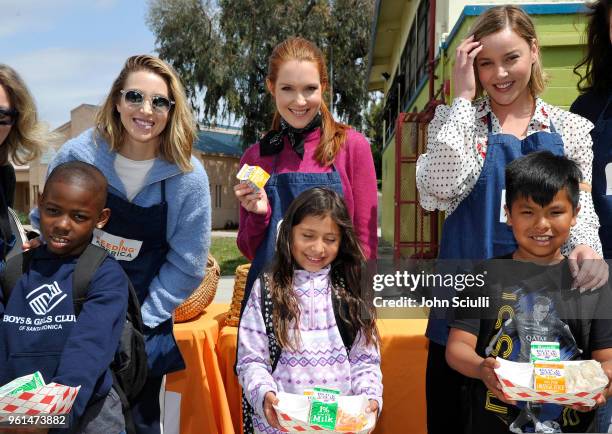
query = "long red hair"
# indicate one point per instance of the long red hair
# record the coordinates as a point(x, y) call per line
point(333, 134)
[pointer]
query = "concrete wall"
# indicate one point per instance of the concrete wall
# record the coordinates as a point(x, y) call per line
point(221, 177)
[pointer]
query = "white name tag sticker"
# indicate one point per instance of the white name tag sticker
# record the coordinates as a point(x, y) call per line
point(122, 249)
point(502, 212)
point(609, 179)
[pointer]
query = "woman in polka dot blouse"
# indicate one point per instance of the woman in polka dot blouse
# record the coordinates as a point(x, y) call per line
point(462, 173)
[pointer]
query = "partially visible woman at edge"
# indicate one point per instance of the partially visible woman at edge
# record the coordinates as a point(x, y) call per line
point(305, 148)
point(160, 207)
point(22, 137)
point(595, 104)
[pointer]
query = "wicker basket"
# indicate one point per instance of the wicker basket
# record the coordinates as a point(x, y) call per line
point(233, 315)
point(203, 294)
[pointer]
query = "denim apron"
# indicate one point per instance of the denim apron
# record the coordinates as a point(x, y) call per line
point(282, 189)
point(141, 252)
point(602, 160)
point(477, 229)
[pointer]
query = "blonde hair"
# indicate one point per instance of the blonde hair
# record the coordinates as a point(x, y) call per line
point(176, 141)
point(333, 134)
point(498, 18)
point(27, 136)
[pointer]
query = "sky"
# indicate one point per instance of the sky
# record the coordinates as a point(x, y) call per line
point(70, 51)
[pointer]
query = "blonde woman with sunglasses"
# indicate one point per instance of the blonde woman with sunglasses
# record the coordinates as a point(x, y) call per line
point(159, 228)
point(21, 139)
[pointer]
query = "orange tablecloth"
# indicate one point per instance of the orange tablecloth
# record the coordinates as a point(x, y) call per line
point(404, 356)
point(203, 403)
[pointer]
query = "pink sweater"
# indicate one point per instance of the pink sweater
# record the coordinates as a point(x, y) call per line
point(321, 359)
point(355, 166)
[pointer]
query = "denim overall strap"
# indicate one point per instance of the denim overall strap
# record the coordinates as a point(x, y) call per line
point(282, 189)
point(147, 227)
point(602, 177)
point(477, 228)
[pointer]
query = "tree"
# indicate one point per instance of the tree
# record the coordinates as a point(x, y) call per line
point(222, 53)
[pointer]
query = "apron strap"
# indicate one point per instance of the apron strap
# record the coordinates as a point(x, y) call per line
point(163, 190)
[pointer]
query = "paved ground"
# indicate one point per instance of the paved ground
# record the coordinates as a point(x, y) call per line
point(222, 234)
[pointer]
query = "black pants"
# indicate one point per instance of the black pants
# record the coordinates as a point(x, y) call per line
point(443, 393)
point(146, 410)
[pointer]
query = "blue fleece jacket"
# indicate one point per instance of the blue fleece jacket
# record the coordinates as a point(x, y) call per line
point(188, 226)
point(40, 332)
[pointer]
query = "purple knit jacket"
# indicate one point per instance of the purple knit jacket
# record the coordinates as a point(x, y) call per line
point(321, 359)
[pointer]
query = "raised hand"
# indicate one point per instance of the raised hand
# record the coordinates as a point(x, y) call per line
point(464, 79)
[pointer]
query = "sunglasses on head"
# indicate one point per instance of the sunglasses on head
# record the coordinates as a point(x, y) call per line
point(7, 116)
point(136, 98)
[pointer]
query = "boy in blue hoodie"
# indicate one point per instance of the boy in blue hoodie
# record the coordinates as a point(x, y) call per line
point(40, 330)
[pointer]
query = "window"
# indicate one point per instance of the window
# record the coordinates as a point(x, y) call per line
point(413, 62)
point(412, 68)
point(218, 193)
point(422, 40)
point(35, 193)
point(392, 106)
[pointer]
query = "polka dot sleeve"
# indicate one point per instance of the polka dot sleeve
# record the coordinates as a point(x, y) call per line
point(449, 168)
point(578, 146)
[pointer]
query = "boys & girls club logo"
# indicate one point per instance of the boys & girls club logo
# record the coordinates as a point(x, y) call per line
point(43, 299)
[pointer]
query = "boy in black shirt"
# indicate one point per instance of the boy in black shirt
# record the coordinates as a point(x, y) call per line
point(530, 301)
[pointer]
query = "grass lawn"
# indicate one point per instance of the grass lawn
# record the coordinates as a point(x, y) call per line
point(226, 253)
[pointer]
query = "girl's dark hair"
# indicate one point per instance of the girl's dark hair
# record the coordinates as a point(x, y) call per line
point(345, 272)
point(598, 58)
point(540, 176)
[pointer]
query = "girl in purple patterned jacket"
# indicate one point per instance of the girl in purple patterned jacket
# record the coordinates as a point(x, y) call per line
point(315, 335)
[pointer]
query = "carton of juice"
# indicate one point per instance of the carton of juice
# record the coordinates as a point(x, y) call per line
point(549, 377)
point(254, 176)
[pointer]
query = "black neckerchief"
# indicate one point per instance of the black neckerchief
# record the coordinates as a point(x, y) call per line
point(272, 143)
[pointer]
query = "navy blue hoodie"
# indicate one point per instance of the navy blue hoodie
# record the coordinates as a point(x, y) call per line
point(39, 330)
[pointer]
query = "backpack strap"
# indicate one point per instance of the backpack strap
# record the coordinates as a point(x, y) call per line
point(341, 312)
point(273, 348)
point(267, 313)
point(15, 267)
point(86, 266)
point(18, 232)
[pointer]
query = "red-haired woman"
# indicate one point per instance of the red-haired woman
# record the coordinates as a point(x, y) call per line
point(305, 148)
